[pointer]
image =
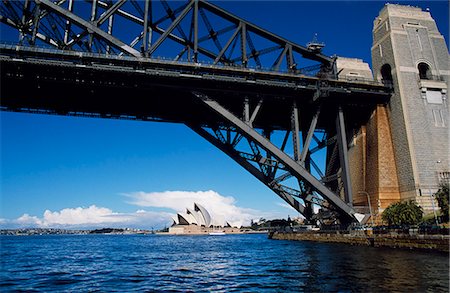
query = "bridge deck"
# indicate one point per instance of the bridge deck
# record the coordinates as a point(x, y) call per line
point(75, 83)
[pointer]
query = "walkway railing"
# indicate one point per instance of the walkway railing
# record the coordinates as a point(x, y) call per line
point(67, 55)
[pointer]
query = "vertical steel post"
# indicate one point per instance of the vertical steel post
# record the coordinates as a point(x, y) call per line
point(110, 28)
point(246, 110)
point(343, 156)
point(93, 17)
point(267, 133)
point(244, 44)
point(307, 138)
point(145, 34)
point(67, 30)
point(37, 13)
point(26, 8)
point(290, 59)
point(195, 30)
point(295, 132)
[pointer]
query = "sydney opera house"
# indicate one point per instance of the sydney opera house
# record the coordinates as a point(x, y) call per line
point(198, 221)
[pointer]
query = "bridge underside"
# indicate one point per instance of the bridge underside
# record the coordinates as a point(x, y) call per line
point(289, 125)
point(270, 129)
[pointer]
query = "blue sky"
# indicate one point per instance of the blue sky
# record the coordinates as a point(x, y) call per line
point(104, 169)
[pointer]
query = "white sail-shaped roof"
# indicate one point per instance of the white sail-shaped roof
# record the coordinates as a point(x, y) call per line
point(204, 213)
point(202, 219)
point(198, 217)
point(182, 219)
point(191, 218)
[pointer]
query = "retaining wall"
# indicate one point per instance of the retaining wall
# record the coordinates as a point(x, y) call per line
point(426, 242)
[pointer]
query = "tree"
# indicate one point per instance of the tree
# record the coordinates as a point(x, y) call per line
point(442, 199)
point(403, 213)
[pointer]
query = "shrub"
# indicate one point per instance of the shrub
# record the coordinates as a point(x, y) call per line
point(403, 213)
point(442, 199)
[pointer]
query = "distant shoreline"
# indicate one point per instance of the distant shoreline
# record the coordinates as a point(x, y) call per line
point(57, 231)
point(207, 233)
point(103, 231)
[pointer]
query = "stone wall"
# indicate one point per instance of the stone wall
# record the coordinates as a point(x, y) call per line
point(426, 242)
point(201, 230)
point(373, 167)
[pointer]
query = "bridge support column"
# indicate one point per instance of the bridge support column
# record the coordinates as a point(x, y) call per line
point(343, 156)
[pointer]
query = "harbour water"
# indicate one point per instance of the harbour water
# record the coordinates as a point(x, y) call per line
point(230, 263)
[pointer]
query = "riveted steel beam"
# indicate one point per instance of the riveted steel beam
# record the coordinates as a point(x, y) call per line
point(294, 167)
point(170, 29)
point(61, 23)
point(227, 45)
point(249, 167)
point(89, 27)
point(310, 135)
point(343, 156)
point(266, 34)
point(295, 127)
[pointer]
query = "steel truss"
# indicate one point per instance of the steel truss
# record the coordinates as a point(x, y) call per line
point(254, 150)
point(196, 31)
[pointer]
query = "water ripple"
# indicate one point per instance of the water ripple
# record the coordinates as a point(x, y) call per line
point(232, 263)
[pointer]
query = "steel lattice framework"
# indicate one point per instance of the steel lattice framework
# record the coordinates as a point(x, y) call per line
point(266, 102)
point(195, 27)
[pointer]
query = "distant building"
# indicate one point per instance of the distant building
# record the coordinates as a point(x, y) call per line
point(198, 221)
point(198, 216)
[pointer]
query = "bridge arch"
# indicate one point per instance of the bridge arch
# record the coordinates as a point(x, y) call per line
point(227, 102)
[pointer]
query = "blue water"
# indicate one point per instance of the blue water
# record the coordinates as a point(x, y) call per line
point(245, 263)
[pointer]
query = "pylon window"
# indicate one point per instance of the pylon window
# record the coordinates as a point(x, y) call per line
point(386, 75)
point(424, 71)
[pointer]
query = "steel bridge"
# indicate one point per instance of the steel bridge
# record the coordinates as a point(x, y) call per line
point(268, 103)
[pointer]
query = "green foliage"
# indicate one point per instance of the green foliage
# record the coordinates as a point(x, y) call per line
point(442, 199)
point(403, 213)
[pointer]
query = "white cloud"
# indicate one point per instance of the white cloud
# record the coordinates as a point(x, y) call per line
point(222, 208)
point(77, 216)
point(26, 219)
point(91, 217)
point(286, 206)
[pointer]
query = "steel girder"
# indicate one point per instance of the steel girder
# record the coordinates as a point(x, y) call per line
point(195, 31)
point(254, 150)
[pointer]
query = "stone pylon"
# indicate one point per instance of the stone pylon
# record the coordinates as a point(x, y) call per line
point(404, 149)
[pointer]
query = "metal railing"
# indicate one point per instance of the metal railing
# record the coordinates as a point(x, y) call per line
point(309, 71)
point(283, 78)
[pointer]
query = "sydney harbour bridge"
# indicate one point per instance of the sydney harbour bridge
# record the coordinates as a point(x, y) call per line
point(277, 108)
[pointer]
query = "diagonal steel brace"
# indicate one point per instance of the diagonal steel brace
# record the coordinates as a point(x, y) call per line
point(294, 167)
